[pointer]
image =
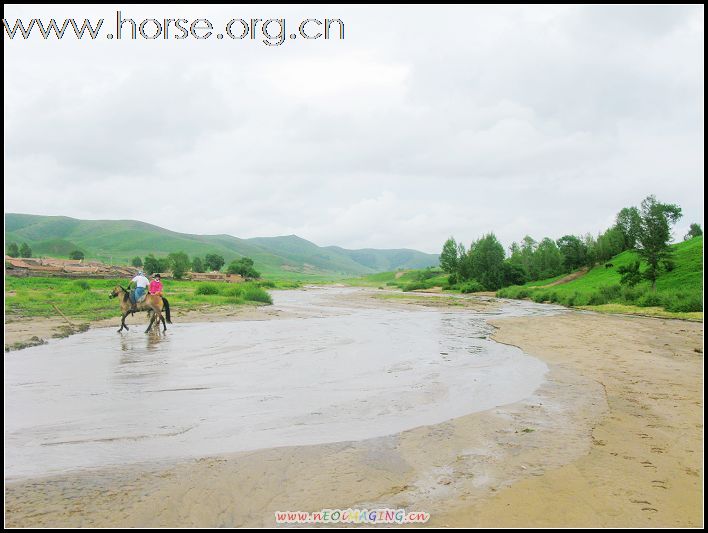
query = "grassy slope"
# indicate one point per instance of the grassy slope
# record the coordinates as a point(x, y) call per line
point(687, 275)
point(684, 282)
point(287, 257)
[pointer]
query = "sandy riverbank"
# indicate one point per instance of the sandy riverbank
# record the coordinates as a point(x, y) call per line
point(613, 437)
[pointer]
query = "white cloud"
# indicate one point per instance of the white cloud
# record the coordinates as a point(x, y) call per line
point(421, 124)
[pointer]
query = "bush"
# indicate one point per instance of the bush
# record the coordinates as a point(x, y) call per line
point(208, 289)
point(413, 286)
point(539, 296)
point(233, 291)
point(631, 294)
point(683, 302)
point(82, 284)
point(650, 299)
point(471, 286)
point(256, 294)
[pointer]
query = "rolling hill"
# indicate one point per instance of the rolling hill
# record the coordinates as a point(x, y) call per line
point(118, 241)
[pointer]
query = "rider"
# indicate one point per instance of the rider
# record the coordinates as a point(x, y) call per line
point(141, 283)
point(156, 285)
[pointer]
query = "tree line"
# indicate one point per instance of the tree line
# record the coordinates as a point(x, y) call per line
point(179, 263)
point(646, 229)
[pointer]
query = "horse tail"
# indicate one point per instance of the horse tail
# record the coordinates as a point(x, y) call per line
point(167, 310)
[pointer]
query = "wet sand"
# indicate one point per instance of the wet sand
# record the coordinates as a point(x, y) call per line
point(612, 437)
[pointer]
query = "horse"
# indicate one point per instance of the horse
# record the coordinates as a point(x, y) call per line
point(153, 304)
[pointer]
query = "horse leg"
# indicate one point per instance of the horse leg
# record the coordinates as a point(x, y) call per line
point(122, 322)
point(152, 320)
point(164, 325)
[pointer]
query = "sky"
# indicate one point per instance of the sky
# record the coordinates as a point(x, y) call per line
point(420, 124)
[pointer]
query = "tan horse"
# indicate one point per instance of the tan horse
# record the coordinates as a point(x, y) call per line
point(153, 304)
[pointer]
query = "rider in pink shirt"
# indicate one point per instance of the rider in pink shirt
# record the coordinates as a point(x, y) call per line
point(156, 285)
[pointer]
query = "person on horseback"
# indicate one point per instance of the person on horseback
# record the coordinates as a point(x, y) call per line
point(141, 284)
point(155, 285)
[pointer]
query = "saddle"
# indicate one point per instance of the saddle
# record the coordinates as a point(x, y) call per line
point(142, 298)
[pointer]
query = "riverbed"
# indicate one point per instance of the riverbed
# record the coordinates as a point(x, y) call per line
point(334, 372)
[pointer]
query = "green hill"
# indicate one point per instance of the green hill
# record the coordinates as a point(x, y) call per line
point(679, 291)
point(121, 240)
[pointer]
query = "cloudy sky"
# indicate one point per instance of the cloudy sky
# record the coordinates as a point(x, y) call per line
point(421, 123)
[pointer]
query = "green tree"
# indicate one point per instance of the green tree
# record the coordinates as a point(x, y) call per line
point(655, 234)
point(13, 250)
point(243, 267)
point(629, 222)
point(695, 231)
point(591, 247)
point(76, 254)
point(513, 274)
point(136, 262)
point(528, 248)
point(25, 250)
point(631, 275)
point(197, 265)
point(487, 262)
point(214, 262)
point(151, 265)
point(179, 264)
point(574, 252)
point(609, 244)
point(449, 260)
point(547, 259)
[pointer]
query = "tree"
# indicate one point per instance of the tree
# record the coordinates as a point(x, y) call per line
point(609, 244)
point(487, 262)
point(25, 250)
point(513, 274)
point(574, 252)
point(655, 234)
point(243, 267)
point(630, 274)
point(449, 260)
point(629, 222)
point(214, 261)
point(151, 265)
point(528, 248)
point(76, 254)
point(136, 262)
point(13, 250)
point(179, 264)
point(197, 265)
point(695, 231)
point(547, 259)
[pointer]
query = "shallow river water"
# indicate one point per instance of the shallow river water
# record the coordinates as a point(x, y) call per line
point(334, 373)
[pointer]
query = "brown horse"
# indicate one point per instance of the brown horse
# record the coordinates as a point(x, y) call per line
point(153, 304)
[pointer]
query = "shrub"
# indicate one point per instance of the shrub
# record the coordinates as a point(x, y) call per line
point(682, 302)
point(233, 291)
point(82, 284)
point(256, 294)
point(650, 299)
point(471, 286)
point(208, 289)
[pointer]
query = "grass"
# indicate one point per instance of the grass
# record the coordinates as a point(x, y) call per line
point(679, 293)
point(406, 281)
point(88, 299)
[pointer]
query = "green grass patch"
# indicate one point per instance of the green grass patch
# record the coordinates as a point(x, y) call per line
point(86, 300)
point(678, 293)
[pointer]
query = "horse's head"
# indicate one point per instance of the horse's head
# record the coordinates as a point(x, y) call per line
point(115, 292)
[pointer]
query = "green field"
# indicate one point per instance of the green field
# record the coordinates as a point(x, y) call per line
point(678, 291)
point(118, 241)
point(88, 299)
point(406, 281)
